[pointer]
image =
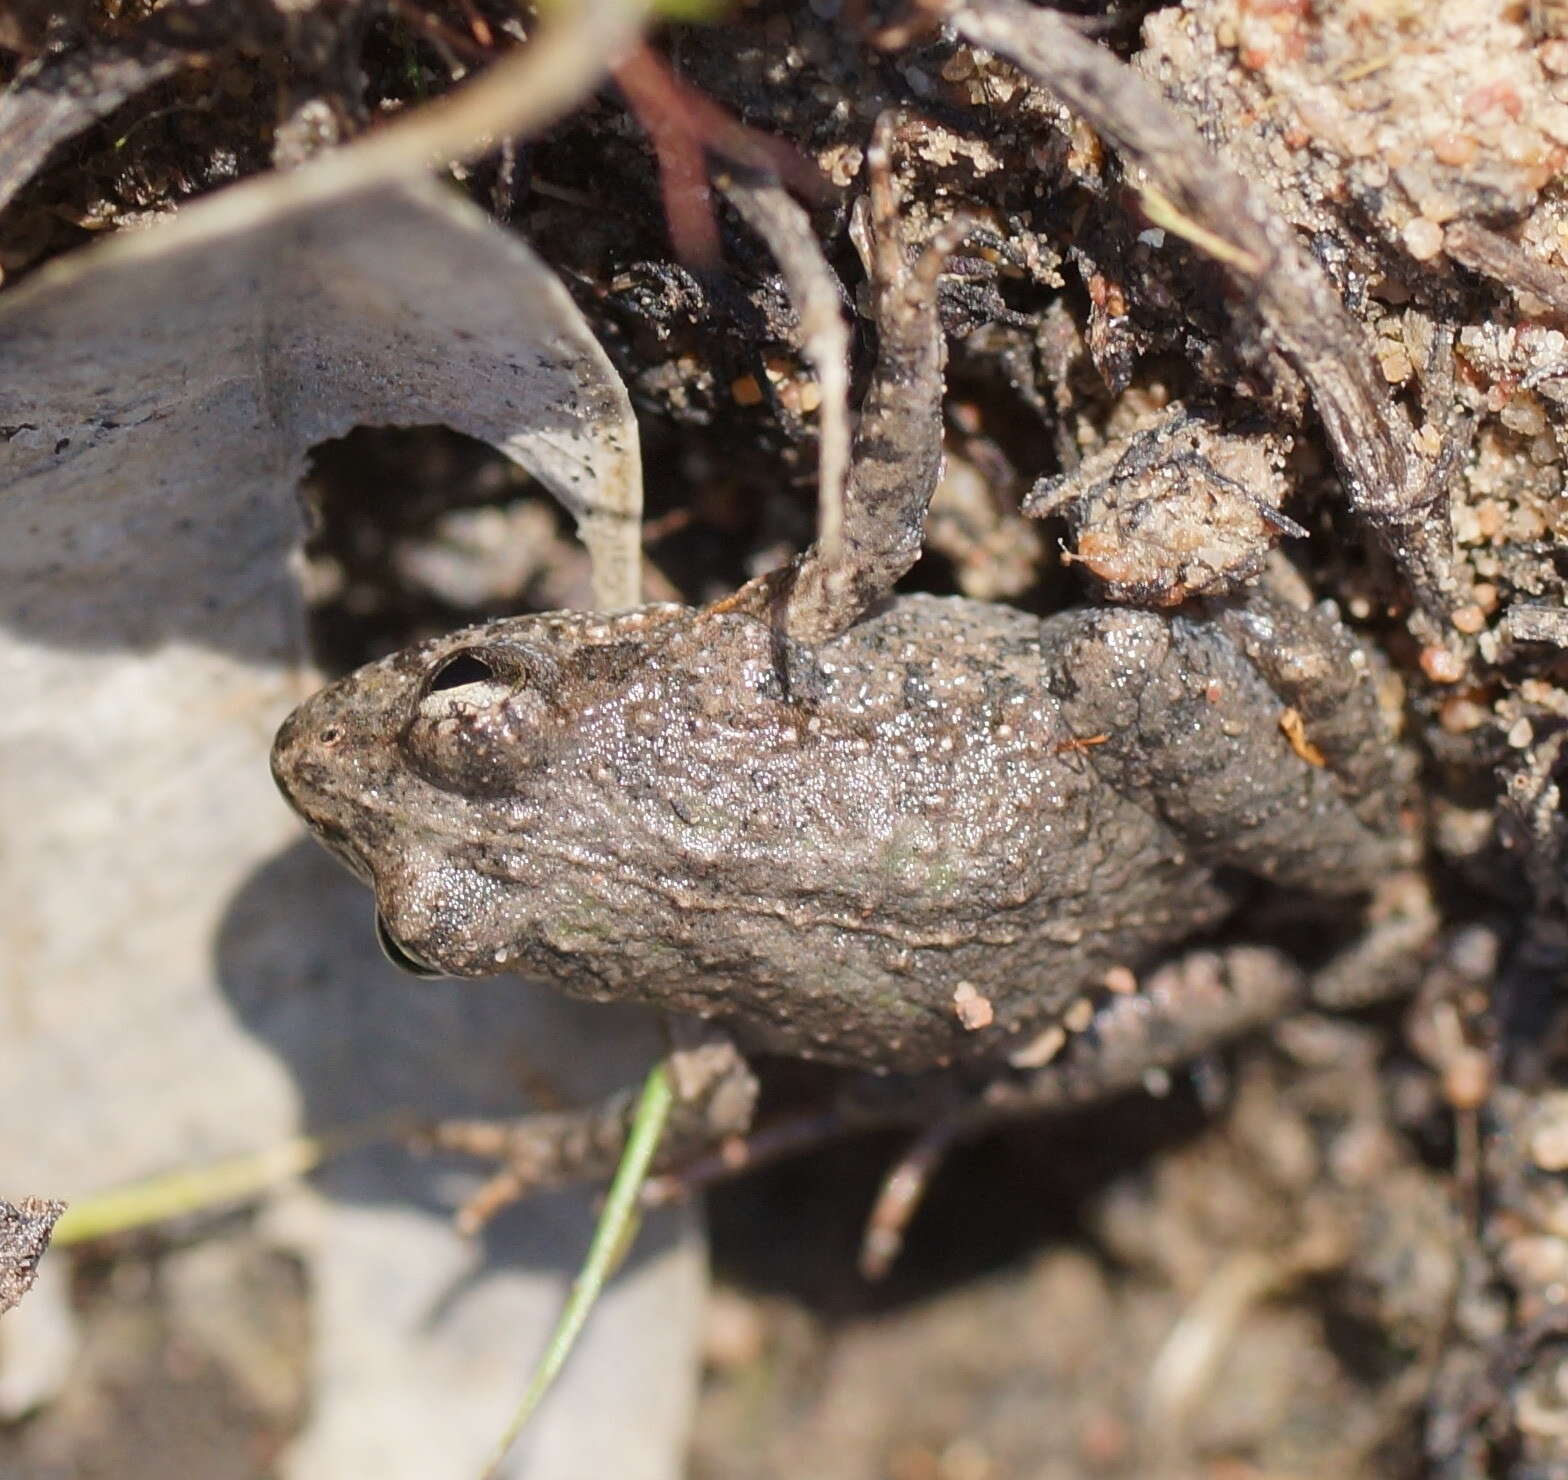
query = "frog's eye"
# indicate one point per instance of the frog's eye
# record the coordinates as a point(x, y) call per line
point(460, 670)
point(473, 682)
point(399, 954)
point(480, 716)
point(472, 678)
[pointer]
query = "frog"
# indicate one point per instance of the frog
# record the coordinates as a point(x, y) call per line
point(939, 843)
point(821, 844)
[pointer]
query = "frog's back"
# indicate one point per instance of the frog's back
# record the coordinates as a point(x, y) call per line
point(919, 832)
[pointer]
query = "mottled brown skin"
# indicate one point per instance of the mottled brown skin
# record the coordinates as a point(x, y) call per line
point(899, 834)
point(820, 844)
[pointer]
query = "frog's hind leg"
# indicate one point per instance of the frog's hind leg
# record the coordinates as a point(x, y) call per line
point(1186, 1008)
point(1183, 720)
point(896, 458)
point(1327, 680)
point(1181, 1010)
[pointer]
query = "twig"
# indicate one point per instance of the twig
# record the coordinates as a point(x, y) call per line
point(1506, 262)
point(719, 130)
point(467, 47)
point(199, 1189)
point(522, 93)
point(817, 297)
point(678, 149)
point(903, 1190)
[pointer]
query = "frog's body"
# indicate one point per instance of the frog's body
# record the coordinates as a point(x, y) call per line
point(894, 849)
point(893, 833)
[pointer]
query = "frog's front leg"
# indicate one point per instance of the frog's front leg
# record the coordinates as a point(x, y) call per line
point(1171, 710)
point(1186, 1007)
point(715, 1098)
point(896, 458)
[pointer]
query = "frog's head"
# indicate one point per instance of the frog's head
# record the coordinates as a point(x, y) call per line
point(507, 791)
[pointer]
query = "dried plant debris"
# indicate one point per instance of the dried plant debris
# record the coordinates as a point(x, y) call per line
point(1180, 509)
point(1355, 121)
point(1353, 113)
point(25, 1228)
point(80, 78)
point(1186, 189)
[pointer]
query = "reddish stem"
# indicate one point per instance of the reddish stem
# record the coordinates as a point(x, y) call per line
point(684, 125)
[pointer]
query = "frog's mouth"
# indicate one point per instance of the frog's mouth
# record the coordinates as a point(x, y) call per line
point(340, 847)
point(399, 954)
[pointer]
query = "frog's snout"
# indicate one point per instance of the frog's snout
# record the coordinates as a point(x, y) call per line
point(303, 752)
point(288, 747)
point(285, 744)
point(309, 755)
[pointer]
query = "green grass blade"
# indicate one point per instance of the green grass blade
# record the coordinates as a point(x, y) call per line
point(610, 1239)
point(201, 1189)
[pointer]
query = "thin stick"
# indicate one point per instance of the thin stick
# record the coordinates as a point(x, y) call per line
point(678, 150)
point(815, 293)
point(903, 1190)
point(523, 92)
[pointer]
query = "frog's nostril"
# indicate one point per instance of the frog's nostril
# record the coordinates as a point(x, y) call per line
point(294, 746)
point(302, 732)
